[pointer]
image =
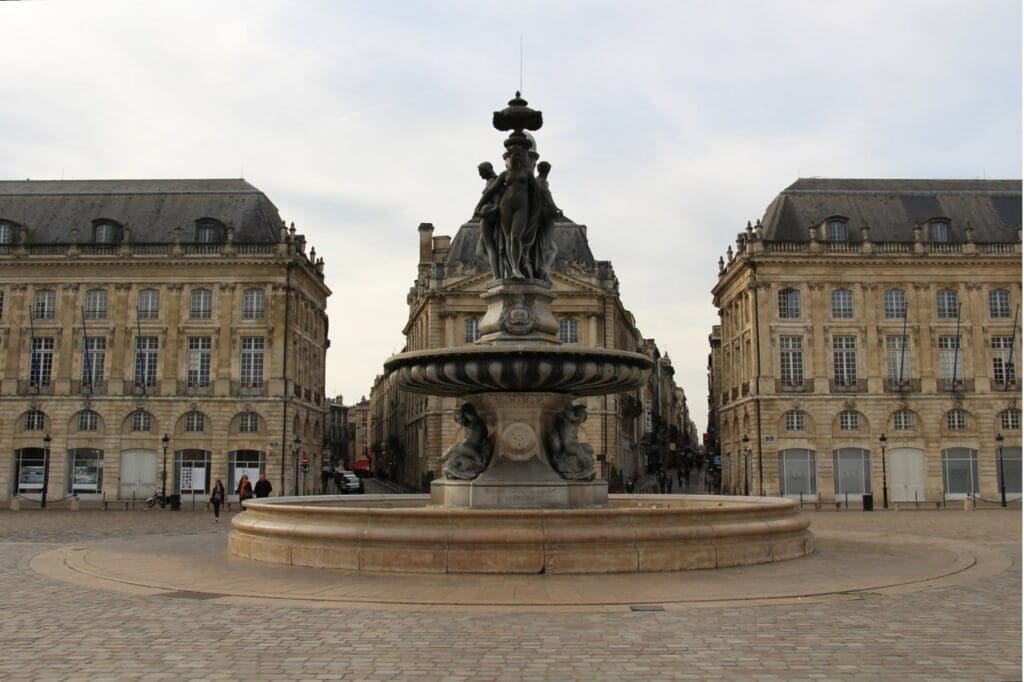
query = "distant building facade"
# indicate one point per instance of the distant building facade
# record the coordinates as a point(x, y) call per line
point(862, 317)
point(410, 432)
point(150, 322)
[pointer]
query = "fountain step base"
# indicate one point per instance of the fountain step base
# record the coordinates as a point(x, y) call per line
point(505, 494)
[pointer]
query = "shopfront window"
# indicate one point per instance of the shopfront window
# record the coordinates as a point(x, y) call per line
point(85, 470)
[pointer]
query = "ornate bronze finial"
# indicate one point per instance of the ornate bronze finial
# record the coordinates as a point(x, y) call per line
point(517, 116)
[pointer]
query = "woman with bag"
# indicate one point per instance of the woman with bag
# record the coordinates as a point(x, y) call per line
point(244, 490)
point(216, 499)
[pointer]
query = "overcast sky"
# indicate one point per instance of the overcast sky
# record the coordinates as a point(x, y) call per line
point(668, 125)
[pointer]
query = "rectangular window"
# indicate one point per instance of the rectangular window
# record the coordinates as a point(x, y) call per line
point(201, 304)
point(94, 359)
point(947, 304)
point(1003, 370)
point(999, 303)
point(569, 331)
point(795, 420)
point(251, 369)
point(149, 304)
point(844, 359)
point(86, 469)
point(956, 420)
point(940, 232)
point(249, 422)
point(45, 305)
point(851, 469)
point(960, 471)
point(789, 304)
point(146, 351)
point(950, 362)
point(96, 304)
point(836, 231)
point(797, 472)
point(1010, 419)
point(87, 420)
point(849, 420)
point(35, 421)
point(199, 361)
point(252, 304)
point(791, 359)
point(895, 304)
point(842, 304)
point(472, 329)
point(1, 304)
point(41, 365)
point(897, 358)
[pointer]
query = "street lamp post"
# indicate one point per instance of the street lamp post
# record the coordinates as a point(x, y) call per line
point(46, 470)
point(1002, 477)
point(746, 464)
point(163, 474)
point(298, 443)
point(885, 479)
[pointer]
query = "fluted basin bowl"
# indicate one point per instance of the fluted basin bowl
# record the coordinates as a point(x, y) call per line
point(635, 533)
point(548, 368)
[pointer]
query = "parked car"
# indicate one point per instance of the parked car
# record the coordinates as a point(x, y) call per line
point(350, 484)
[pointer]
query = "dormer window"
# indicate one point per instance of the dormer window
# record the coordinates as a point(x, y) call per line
point(940, 231)
point(209, 231)
point(836, 230)
point(105, 233)
point(7, 233)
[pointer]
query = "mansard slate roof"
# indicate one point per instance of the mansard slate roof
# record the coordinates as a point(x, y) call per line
point(151, 208)
point(570, 238)
point(891, 208)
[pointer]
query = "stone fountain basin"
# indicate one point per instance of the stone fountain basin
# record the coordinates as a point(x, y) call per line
point(516, 368)
point(635, 533)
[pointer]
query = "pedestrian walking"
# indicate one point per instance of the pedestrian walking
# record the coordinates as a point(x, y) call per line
point(244, 490)
point(217, 499)
point(263, 487)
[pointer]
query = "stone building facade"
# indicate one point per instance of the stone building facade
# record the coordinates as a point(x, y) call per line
point(154, 322)
point(868, 342)
point(410, 432)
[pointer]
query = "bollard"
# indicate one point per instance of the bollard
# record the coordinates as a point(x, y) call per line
point(76, 504)
point(15, 504)
point(968, 504)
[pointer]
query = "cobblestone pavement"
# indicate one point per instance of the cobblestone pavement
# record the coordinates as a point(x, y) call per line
point(56, 630)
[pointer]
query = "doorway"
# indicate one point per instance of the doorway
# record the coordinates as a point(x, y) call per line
point(906, 475)
point(138, 474)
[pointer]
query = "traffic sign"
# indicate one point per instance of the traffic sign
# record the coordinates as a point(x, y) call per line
point(305, 460)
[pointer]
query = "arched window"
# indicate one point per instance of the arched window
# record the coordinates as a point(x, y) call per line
point(796, 420)
point(96, 304)
point(252, 304)
point(201, 304)
point(947, 304)
point(842, 304)
point(249, 422)
point(849, 420)
point(895, 304)
point(142, 421)
point(195, 421)
point(956, 420)
point(209, 231)
point(999, 303)
point(789, 304)
point(87, 420)
point(1009, 420)
point(105, 232)
point(149, 304)
point(903, 420)
point(35, 420)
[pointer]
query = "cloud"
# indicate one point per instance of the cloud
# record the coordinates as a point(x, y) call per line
point(669, 125)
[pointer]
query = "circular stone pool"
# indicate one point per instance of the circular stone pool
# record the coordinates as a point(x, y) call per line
point(635, 533)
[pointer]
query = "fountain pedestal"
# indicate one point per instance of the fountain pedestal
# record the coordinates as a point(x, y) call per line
point(519, 475)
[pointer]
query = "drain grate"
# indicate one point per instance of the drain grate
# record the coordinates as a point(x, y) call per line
point(646, 607)
point(185, 594)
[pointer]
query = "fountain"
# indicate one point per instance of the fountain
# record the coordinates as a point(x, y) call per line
point(520, 493)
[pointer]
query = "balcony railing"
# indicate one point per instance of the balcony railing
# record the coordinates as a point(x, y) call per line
point(847, 385)
point(194, 388)
point(955, 385)
point(902, 385)
point(26, 387)
point(139, 388)
point(998, 385)
point(248, 388)
point(89, 387)
point(791, 385)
